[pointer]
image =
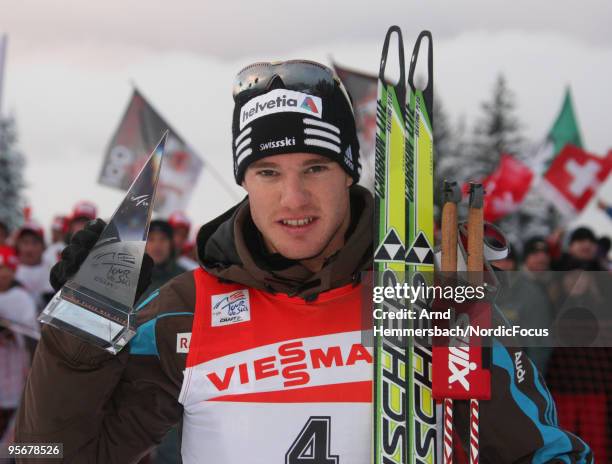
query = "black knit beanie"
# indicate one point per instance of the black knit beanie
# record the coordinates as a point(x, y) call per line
point(279, 121)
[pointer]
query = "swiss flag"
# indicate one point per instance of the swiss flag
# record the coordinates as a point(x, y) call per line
point(574, 177)
point(505, 188)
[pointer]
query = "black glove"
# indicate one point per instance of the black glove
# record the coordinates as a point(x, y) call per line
point(75, 253)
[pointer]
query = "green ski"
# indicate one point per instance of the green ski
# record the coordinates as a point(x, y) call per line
point(423, 437)
point(390, 438)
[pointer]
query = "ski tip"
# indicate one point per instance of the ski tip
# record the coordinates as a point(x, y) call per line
point(385, 53)
point(429, 89)
point(394, 28)
point(417, 46)
point(425, 33)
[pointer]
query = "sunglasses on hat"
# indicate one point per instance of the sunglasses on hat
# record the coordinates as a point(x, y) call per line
point(299, 75)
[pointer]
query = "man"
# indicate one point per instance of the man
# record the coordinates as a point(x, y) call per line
point(160, 247)
point(82, 212)
point(528, 298)
point(536, 255)
point(17, 317)
point(33, 270)
point(181, 225)
point(579, 375)
point(259, 351)
point(581, 252)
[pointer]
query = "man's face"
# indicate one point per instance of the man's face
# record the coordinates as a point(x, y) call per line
point(300, 204)
point(6, 278)
point(159, 247)
point(30, 249)
point(537, 261)
point(584, 250)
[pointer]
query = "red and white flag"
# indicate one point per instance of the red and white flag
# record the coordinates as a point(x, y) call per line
point(505, 188)
point(573, 178)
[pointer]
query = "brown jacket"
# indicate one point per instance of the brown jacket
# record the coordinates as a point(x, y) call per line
point(112, 409)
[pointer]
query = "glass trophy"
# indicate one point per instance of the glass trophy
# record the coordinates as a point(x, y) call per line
point(97, 304)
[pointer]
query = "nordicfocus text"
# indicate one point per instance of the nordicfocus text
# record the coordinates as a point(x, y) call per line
point(461, 332)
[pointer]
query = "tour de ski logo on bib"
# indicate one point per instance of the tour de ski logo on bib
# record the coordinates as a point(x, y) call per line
point(230, 308)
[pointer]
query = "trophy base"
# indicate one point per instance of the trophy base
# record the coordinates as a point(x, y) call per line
point(87, 325)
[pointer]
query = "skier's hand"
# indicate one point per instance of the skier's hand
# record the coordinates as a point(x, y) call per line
point(75, 253)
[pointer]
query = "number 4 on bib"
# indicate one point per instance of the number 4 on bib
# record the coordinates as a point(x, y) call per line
point(312, 445)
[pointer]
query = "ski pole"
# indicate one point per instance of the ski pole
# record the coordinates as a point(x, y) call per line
point(452, 196)
point(475, 258)
point(475, 263)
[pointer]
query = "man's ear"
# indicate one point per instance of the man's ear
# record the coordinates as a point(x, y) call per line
point(349, 181)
